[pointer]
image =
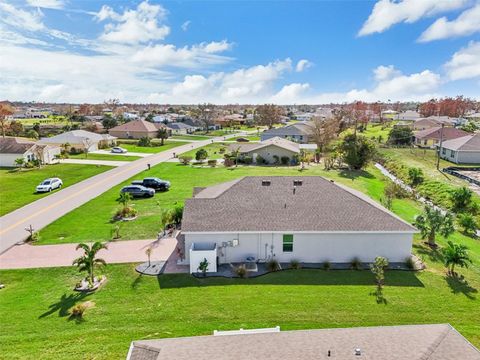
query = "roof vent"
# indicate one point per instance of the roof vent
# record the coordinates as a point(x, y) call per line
point(266, 182)
point(358, 352)
point(332, 181)
point(297, 182)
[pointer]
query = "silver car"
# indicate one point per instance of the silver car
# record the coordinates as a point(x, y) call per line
point(50, 184)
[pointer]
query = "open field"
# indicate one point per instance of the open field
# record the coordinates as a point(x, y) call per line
point(373, 131)
point(133, 147)
point(17, 188)
point(104, 157)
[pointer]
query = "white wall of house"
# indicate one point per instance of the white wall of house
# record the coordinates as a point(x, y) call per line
point(8, 160)
point(460, 157)
point(308, 247)
point(269, 151)
point(197, 256)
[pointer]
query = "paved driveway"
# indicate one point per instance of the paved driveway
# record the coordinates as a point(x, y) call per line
point(30, 256)
point(48, 209)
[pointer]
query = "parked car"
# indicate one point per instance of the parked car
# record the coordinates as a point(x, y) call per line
point(119, 150)
point(153, 183)
point(138, 191)
point(48, 185)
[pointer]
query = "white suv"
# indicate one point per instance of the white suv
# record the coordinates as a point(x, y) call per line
point(48, 185)
point(118, 150)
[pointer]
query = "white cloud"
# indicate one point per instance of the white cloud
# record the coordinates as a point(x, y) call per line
point(186, 25)
point(291, 94)
point(382, 73)
point(47, 4)
point(387, 13)
point(18, 18)
point(303, 65)
point(465, 63)
point(466, 24)
point(134, 26)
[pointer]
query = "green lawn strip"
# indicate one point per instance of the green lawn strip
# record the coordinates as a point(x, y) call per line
point(190, 137)
point(104, 157)
point(35, 304)
point(133, 147)
point(213, 150)
point(249, 137)
point(17, 188)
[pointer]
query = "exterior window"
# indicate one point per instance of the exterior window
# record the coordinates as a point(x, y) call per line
point(444, 151)
point(287, 243)
point(452, 153)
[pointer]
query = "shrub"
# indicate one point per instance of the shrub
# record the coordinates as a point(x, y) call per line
point(295, 159)
point(273, 265)
point(34, 236)
point(241, 271)
point(126, 212)
point(221, 150)
point(248, 160)
point(461, 199)
point(355, 264)
point(327, 265)
point(78, 310)
point(201, 155)
point(185, 159)
point(468, 224)
point(415, 176)
point(212, 162)
point(145, 142)
point(409, 263)
point(276, 160)
point(261, 160)
point(295, 264)
point(285, 160)
point(228, 162)
point(203, 266)
point(177, 214)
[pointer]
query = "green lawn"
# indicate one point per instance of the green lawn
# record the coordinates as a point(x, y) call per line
point(249, 137)
point(104, 157)
point(17, 188)
point(190, 137)
point(133, 147)
point(212, 149)
point(373, 131)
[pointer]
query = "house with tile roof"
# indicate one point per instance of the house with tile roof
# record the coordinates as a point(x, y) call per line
point(80, 140)
point(136, 129)
point(462, 150)
point(13, 148)
point(412, 342)
point(306, 218)
point(431, 137)
point(299, 132)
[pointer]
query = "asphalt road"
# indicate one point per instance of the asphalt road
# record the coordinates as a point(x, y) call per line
point(48, 209)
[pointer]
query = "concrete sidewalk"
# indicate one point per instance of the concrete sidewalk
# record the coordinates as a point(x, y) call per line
point(32, 256)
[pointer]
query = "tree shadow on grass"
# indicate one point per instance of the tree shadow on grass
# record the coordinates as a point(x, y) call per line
point(137, 281)
point(425, 251)
point(294, 277)
point(354, 174)
point(64, 304)
point(460, 285)
point(379, 296)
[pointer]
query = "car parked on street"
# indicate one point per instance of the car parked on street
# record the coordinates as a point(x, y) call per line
point(153, 183)
point(138, 191)
point(118, 150)
point(50, 184)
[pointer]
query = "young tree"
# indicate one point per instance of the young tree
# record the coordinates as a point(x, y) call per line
point(324, 131)
point(20, 161)
point(5, 110)
point(109, 122)
point(468, 224)
point(203, 266)
point(148, 252)
point(415, 176)
point(400, 136)
point(431, 222)
point(16, 128)
point(201, 155)
point(32, 134)
point(378, 269)
point(166, 218)
point(455, 254)
point(356, 151)
point(162, 134)
point(89, 262)
point(268, 115)
point(461, 199)
point(206, 113)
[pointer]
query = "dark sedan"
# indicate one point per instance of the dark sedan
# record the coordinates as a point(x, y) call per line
point(138, 191)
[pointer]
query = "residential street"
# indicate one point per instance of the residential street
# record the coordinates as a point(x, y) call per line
point(48, 209)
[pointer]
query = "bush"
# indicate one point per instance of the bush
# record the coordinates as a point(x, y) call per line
point(145, 142)
point(285, 160)
point(201, 155)
point(415, 176)
point(468, 224)
point(261, 160)
point(79, 309)
point(295, 264)
point(327, 265)
point(126, 212)
point(248, 160)
point(461, 199)
point(185, 159)
point(355, 264)
point(229, 162)
point(212, 162)
point(295, 159)
point(276, 160)
point(221, 150)
point(74, 151)
point(241, 271)
point(409, 263)
point(273, 265)
point(33, 237)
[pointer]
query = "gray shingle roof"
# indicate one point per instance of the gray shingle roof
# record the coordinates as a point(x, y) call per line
point(13, 145)
point(412, 342)
point(275, 141)
point(290, 130)
point(465, 143)
point(317, 205)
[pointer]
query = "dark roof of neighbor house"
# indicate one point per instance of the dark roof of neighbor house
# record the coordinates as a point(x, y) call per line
point(136, 126)
point(412, 342)
point(300, 128)
point(178, 126)
point(15, 145)
point(465, 143)
point(434, 133)
point(275, 141)
point(317, 205)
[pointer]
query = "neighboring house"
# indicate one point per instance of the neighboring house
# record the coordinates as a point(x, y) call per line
point(299, 132)
point(80, 140)
point(132, 115)
point(431, 137)
point(409, 115)
point(389, 114)
point(473, 116)
point(231, 119)
point(12, 148)
point(135, 129)
point(426, 123)
point(309, 219)
point(401, 342)
point(269, 149)
point(180, 128)
point(462, 150)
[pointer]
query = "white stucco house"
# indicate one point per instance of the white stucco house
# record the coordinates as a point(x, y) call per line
point(462, 150)
point(306, 218)
point(81, 140)
point(13, 148)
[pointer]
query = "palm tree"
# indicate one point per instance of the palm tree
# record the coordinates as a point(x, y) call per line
point(431, 222)
point(455, 254)
point(162, 134)
point(88, 262)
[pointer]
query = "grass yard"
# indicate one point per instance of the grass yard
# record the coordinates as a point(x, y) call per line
point(190, 137)
point(104, 157)
point(212, 149)
point(373, 131)
point(249, 137)
point(133, 147)
point(35, 305)
point(17, 188)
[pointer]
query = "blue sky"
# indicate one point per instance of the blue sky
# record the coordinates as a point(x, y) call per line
point(238, 51)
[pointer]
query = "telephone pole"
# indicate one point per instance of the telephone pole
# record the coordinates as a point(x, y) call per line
point(440, 147)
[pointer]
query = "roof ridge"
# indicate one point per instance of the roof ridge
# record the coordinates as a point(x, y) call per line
point(434, 346)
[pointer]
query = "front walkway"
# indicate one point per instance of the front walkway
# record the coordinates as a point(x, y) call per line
point(33, 256)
